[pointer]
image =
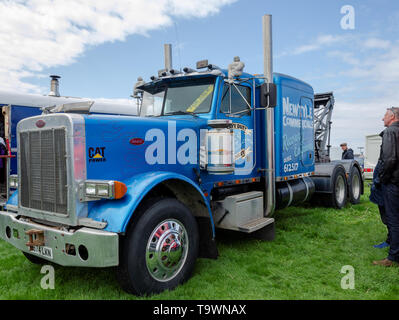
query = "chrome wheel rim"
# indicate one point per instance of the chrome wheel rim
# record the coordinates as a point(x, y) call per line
point(340, 189)
point(167, 250)
point(355, 186)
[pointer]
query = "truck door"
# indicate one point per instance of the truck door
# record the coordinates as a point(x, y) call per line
point(307, 132)
point(235, 105)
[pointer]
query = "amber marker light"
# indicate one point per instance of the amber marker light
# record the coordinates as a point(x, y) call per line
point(120, 189)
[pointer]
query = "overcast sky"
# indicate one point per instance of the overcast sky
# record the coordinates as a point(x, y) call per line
point(100, 47)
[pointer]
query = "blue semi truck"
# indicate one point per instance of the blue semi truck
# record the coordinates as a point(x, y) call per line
point(212, 148)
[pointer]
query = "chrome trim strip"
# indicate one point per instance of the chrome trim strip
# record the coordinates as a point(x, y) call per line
point(291, 194)
point(307, 190)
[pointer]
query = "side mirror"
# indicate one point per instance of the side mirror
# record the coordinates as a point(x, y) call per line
point(268, 95)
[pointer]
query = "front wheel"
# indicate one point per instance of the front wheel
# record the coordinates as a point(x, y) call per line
point(160, 250)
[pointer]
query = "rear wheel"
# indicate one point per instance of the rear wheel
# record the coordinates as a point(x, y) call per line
point(160, 250)
point(337, 199)
point(355, 186)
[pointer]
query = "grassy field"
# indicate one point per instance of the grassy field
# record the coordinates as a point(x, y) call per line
point(304, 262)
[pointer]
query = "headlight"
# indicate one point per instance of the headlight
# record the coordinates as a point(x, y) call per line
point(90, 189)
point(14, 181)
point(102, 189)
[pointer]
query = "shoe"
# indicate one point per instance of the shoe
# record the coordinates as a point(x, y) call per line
point(384, 263)
point(381, 245)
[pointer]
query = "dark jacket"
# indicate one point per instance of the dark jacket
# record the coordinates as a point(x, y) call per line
point(389, 155)
point(348, 154)
point(376, 190)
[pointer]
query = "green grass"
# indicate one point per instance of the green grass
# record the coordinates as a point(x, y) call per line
point(304, 262)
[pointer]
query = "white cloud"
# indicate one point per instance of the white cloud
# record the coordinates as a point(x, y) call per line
point(320, 42)
point(37, 34)
point(372, 89)
point(364, 82)
point(352, 121)
point(348, 57)
point(374, 43)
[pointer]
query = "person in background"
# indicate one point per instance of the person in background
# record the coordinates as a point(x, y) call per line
point(389, 178)
point(377, 198)
point(3, 152)
point(347, 154)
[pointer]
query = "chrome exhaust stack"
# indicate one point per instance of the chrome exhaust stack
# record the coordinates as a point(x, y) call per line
point(54, 86)
point(270, 177)
point(168, 57)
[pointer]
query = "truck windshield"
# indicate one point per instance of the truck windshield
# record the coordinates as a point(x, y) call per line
point(178, 97)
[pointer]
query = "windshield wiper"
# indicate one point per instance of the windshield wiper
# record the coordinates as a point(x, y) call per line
point(181, 113)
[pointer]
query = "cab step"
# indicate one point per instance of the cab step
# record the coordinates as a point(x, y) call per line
point(256, 225)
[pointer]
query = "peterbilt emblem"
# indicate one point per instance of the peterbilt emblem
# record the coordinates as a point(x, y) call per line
point(136, 141)
point(40, 123)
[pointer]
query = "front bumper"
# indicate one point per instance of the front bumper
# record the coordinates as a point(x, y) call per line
point(102, 246)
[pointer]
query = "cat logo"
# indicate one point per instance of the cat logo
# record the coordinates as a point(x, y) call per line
point(97, 154)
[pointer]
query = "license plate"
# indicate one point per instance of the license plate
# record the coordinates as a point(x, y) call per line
point(43, 251)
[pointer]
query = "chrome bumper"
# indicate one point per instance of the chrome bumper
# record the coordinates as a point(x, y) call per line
point(102, 246)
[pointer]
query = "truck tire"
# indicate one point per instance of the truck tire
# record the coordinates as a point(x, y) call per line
point(354, 186)
point(35, 259)
point(160, 250)
point(338, 196)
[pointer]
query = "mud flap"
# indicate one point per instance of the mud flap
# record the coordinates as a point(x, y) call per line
point(207, 245)
point(267, 233)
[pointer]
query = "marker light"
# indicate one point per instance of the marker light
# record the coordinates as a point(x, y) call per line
point(202, 64)
point(14, 181)
point(103, 189)
point(120, 189)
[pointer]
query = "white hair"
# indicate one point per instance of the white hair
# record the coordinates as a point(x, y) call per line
point(395, 112)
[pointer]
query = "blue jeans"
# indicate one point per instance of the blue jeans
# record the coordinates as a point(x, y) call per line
point(391, 204)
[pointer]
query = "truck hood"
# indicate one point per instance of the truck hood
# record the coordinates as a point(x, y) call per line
point(118, 147)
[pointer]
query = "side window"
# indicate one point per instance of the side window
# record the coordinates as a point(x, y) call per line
point(240, 99)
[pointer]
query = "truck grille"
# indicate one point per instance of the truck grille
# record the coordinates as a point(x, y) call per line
point(43, 170)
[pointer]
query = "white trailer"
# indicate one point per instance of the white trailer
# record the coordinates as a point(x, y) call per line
point(372, 153)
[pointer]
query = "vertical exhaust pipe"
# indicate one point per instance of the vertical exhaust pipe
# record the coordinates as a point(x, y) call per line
point(269, 118)
point(54, 86)
point(168, 57)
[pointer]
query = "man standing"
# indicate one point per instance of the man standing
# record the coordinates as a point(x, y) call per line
point(377, 197)
point(389, 177)
point(347, 154)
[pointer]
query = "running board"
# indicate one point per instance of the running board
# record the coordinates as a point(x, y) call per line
point(256, 225)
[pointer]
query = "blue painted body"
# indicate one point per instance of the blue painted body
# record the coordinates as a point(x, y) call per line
point(294, 138)
point(111, 155)
point(123, 161)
